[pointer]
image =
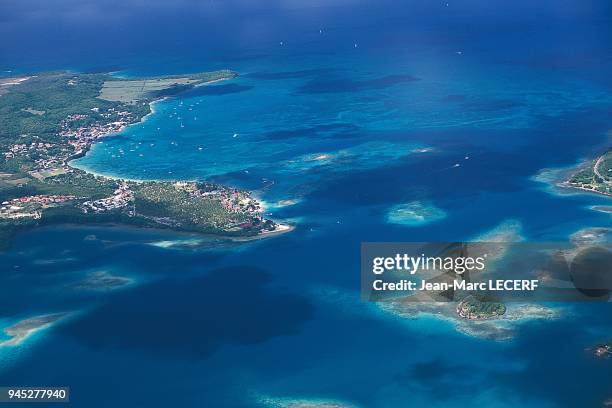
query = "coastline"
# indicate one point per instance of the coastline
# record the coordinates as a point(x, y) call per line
point(558, 180)
point(280, 228)
point(83, 196)
point(567, 184)
point(142, 120)
point(22, 330)
point(118, 225)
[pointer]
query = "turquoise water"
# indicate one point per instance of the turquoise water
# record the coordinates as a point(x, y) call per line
point(361, 109)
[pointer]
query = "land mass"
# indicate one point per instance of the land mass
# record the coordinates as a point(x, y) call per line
point(273, 402)
point(49, 119)
point(476, 309)
point(23, 329)
point(594, 176)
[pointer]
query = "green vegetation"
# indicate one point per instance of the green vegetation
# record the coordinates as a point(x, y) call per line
point(596, 176)
point(476, 309)
point(58, 94)
point(183, 208)
point(49, 119)
point(144, 88)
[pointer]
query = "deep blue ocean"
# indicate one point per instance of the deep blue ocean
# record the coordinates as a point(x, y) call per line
point(343, 109)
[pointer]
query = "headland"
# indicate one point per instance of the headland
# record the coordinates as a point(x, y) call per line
point(52, 118)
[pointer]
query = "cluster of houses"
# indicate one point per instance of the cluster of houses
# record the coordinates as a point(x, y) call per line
point(82, 137)
point(30, 206)
point(232, 200)
point(44, 161)
point(21, 149)
point(78, 132)
point(240, 201)
point(121, 197)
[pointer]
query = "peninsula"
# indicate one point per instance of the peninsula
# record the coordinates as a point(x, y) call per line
point(49, 119)
point(595, 176)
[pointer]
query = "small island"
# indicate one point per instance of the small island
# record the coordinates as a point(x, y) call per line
point(20, 331)
point(414, 213)
point(52, 118)
point(473, 308)
point(594, 176)
point(279, 402)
